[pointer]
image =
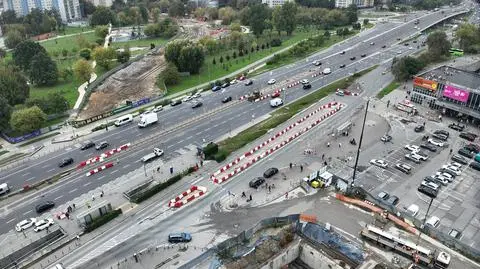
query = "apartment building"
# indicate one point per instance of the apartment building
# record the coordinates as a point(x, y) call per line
point(69, 9)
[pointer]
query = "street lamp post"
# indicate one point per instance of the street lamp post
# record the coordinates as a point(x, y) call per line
point(145, 169)
point(360, 144)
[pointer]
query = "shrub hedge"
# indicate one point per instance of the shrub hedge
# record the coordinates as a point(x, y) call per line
point(102, 220)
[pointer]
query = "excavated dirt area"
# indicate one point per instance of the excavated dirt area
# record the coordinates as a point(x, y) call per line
point(134, 82)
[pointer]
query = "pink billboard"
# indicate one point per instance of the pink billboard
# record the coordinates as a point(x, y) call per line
point(455, 93)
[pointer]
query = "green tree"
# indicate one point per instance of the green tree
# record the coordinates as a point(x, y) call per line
point(173, 50)
point(101, 31)
point(3, 53)
point(87, 7)
point(13, 38)
point(43, 70)
point(151, 30)
point(191, 59)
point(85, 53)
point(277, 19)
point(104, 56)
point(406, 67)
point(28, 119)
point(226, 14)
point(103, 16)
point(258, 14)
point(163, 5)
point(13, 85)
point(124, 55)
point(213, 61)
point(468, 36)
point(24, 52)
point(289, 23)
point(365, 22)
point(212, 13)
point(82, 42)
point(170, 75)
point(235, 27)
point(57, 103)
point(352, 13)
point(82, 70)
point(176, 8)
point(438, 44)
point(8, 17)
point(5, 112)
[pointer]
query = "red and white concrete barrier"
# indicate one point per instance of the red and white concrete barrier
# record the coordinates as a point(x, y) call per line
point(104, 155)
point(99, 169)
point(293, 84)
point(278, 146)
point(187, 196)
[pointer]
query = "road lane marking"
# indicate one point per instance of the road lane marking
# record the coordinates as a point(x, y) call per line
point(28, 173)
point(86, 184)
point(58, 197)
point(181, 141)
point(29, 179)
point(45, 166)
point(127, 165)
point(51, 170)
point(137, 161)
point(188, 138)
point(169, 146)
point(114, 171)
point(72, 191)
point(28, 212)
point(100, 177)
point(10, 221)
point(139, 134)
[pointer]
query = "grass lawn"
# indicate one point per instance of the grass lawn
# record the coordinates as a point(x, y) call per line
point(283, 114)
point(210, 72)
point(67, 89)
point(69, 30)
point(67, 43)
point(392, 86)
point(140, 43)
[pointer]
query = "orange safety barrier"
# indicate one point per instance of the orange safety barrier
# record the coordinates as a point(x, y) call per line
point(308, 218)
point(376, 209)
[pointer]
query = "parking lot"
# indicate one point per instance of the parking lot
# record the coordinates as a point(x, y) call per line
point(457, 204)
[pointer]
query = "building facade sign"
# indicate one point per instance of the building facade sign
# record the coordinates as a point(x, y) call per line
point(456, 93)
point(425, 83)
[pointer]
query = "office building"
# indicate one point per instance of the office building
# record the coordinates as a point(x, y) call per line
point(358, 3)
point(454, 92)
point(69, 9)
point(275, 3)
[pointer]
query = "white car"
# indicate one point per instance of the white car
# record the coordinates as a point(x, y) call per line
point(304, 81)
point(379, 163)
point(148, 111)
point(440, 178)
point(455, 164)
point(416, 154)
point(271, 81)
point(157, 108)
point(410, 48)
point(435, 142)
point(433, 221)
point(447, 176)
point(452, 169)
point(197, 95)
point(187, 98)
point(399, 52)
point(25, 224)
point(233, 82)
point(412, 148)
point(43, 224)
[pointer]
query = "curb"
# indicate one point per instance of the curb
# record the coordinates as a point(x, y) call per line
point(177, 201)
point(99, 169)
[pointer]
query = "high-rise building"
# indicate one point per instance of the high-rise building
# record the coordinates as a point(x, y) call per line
point(358, 3)
point(69, 9)
point(274, 3)
point(105, 3)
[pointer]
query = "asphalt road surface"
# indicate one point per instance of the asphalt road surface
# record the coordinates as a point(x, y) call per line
point(368, 43)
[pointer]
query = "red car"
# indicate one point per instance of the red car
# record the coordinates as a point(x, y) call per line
point(275, 94)
point(242, 78)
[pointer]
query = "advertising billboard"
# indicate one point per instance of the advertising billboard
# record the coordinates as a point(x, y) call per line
point(425, 83)
point(456, 93)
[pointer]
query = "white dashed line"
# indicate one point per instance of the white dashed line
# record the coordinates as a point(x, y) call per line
point(29, 179)
point(58, 197)
point(72, 191)
point(114, 171)
point(28, 212)
point(127, 165)
point(51, 170)
point(10, 220)
point(86, 184)
point(103, 176)
point(169, 146)
point(28, 173)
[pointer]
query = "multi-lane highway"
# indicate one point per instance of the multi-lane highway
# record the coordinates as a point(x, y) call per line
point(216, 125)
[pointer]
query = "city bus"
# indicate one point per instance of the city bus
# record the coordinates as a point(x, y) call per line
point(456, 52)
point(421, 255)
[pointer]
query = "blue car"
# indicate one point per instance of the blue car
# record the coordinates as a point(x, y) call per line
point(216, 88)
point(179, 237)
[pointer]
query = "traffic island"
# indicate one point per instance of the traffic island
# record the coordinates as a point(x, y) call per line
point(187, 196)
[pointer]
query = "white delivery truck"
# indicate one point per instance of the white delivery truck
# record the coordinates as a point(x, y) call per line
point(276, 102)
point(148, 119)
point(124, 120)
point(151, 156)
point(327, 71)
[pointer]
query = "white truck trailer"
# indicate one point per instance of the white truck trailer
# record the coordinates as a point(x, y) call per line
point(151, 156)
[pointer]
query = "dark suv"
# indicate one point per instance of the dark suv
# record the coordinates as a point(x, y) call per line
point(468, 136)
point(179, 237)
point(473, 148)
point(44, 206)
point(466, 153)
point(256, 182)
point(227, 99)
point(87, 145)
point(65, 162)
point(442, 132)
point(457, 127)
point(270, 172)
point(459, 159)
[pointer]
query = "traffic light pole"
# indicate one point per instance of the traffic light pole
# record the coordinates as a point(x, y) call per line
point(424, 220)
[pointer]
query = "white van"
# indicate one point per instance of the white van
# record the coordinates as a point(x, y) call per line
point(433, 221)
point(327, 71)
point(4, 189)
point(124, 120)
point(276, 102)
point(413, 209)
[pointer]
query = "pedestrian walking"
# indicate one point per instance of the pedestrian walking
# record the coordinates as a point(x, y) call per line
point(158, 169)
point(67, 215)
point(250, 198)
point(339, 145)
point(325, 163)
point(323, 156)
point(286, 195)
point(201, 162)
point(93, 197)
point(291, 165)
point(243, 194)
point(102, 193)
point(171, 169)
point(301, 168)
point(269, 189)
point(229, 193)
point(328, 144)
point(273, 186)
point(73, 206)
point(451, 151)
point(88, 205)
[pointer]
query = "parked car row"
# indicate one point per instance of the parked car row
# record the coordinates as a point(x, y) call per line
point(39, 225)
point(258, 181)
